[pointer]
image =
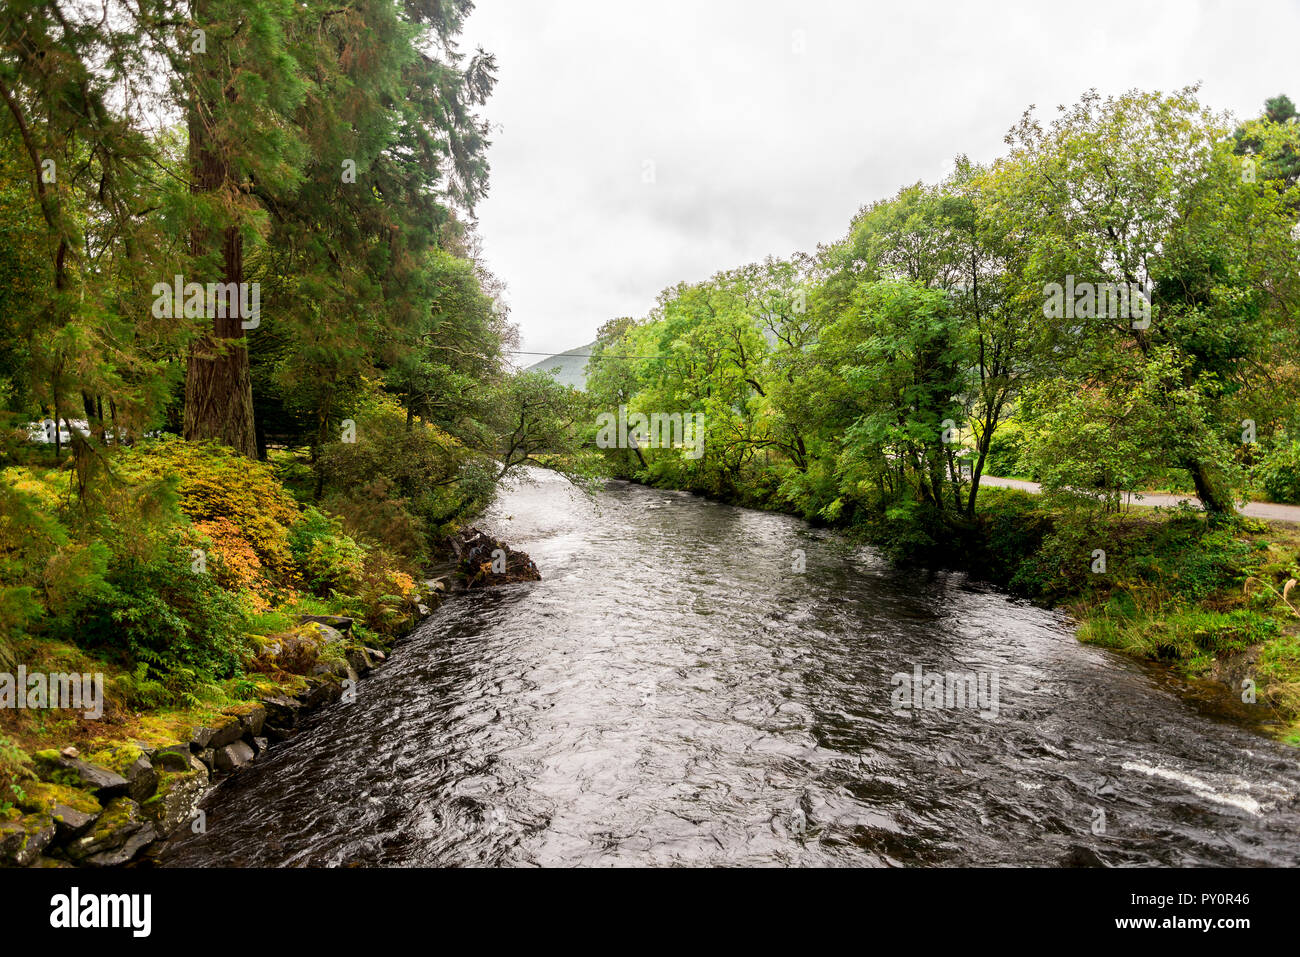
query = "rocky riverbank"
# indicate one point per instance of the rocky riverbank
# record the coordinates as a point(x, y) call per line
point(114, 804)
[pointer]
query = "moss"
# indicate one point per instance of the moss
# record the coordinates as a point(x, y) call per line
point(120, 813)
point(45, 796)
point(118, 758)
point(241, 709)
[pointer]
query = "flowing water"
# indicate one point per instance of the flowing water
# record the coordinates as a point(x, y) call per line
point(675, 692)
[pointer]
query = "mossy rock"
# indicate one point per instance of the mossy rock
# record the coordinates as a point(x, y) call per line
point(130, 761)
point(119, 834)
point(177, 797)
point(251, 717)
point(217, 733)
point(71, 809)
point(54, 768)
point(175, 757)
point(23, 840)
point(118, 758)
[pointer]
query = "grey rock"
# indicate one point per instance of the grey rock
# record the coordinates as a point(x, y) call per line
point(72, 810)
point(141, 778)
point(177, 798)
point(331, 666)
point(283, 711)
point(359, 660)
point(175, 757)
point(233, 756)
point(251, 721)
point(104, 783)
point(329, 635)
point(22, 841)
point(227, 733)
point(276, 734)
point(323, 691)
point(121, 832)
point(133, 845)
point(221, 732)
point(336, 622)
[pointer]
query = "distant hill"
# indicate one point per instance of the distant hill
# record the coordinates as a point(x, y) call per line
point(572, 366)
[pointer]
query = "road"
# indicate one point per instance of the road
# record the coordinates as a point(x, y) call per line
point(1265, 510)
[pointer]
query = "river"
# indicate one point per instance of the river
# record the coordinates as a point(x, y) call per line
point(675, 692)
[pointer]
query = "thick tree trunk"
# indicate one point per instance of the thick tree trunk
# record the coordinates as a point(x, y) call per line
point(1217, 500)
point(218, 384)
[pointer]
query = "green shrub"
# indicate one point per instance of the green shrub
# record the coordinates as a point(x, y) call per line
point(157, 610)
point(236, 502)
point(14, 769)
point(401, 488)
point(1279, 473)
point(1013, 525)
point(326, 558)
point(1005, 450)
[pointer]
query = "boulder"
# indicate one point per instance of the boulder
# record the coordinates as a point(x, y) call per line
point(173, 806)
point(282, 711)
point(260, 745)
point(359, 659)
point(323, 691)
point(275, 734)
point(251, 718)
point(218, 733)
point(333, 622)
point(227, 733)
point(72, 810)
point(296, 651)
point(121, 832)
point(174, 757)
point(233, 756)
point(53, 767)
point(22, 841)
point(338, 667)
point(133, 764)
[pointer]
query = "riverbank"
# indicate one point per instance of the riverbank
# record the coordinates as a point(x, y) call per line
point(119, 791)
point(167, 624)
point(1217, 607)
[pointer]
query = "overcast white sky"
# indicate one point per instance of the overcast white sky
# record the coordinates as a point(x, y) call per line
point(769, 123)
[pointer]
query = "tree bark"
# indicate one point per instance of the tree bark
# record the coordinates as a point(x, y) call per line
point(1217, 501)
point(218, 383)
